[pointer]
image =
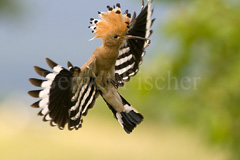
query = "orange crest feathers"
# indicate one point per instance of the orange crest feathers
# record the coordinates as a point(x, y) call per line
point(111, 22)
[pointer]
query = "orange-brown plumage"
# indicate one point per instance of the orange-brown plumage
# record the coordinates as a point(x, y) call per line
point(112, 22)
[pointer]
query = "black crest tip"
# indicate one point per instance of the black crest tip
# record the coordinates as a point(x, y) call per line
point(118, 5)
point(118, 12)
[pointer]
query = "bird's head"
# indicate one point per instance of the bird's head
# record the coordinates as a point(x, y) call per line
point(112, 26)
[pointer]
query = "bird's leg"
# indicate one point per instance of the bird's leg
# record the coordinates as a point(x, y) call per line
point(104, 81)
point(114, 83)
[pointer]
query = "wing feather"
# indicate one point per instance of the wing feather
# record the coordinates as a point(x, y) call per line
point(132, 51)
point(66, 94)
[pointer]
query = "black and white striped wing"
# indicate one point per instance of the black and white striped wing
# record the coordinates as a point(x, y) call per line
point(66, 94)
point(133, 50)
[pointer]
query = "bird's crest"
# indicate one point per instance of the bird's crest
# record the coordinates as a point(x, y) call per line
point(111, 22)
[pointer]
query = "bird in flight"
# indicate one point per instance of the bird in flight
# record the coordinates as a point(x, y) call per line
point(66, 94)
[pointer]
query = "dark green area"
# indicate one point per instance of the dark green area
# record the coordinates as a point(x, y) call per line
point(9, 8)
point(197, 82)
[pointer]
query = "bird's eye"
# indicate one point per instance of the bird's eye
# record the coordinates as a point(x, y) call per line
point(115, 36)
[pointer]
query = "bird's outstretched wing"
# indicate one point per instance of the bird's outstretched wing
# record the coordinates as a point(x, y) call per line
point(66, 94)
point(133, 50)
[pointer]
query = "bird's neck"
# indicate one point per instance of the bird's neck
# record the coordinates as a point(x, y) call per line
point(109, 51)
point(106, 57)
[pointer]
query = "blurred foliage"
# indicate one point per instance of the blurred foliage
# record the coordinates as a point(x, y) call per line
point(197, 83)
point(9, 8)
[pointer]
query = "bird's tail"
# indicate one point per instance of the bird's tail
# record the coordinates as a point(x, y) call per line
point(129, 118)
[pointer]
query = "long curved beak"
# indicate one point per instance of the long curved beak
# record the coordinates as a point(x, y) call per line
point(135, 37)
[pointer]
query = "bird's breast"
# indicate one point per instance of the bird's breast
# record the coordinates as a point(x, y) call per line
point(106, 60)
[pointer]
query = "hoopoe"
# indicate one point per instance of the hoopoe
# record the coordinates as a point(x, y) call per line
point(67, 94)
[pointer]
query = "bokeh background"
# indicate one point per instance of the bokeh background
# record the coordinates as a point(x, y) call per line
point(188, 88)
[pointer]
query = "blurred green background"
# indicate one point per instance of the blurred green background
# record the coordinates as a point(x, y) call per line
point(188, 90)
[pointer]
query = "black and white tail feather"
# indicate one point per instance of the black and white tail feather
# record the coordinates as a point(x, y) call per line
point(129, 118)
point(66, 95)
point(133, 50)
